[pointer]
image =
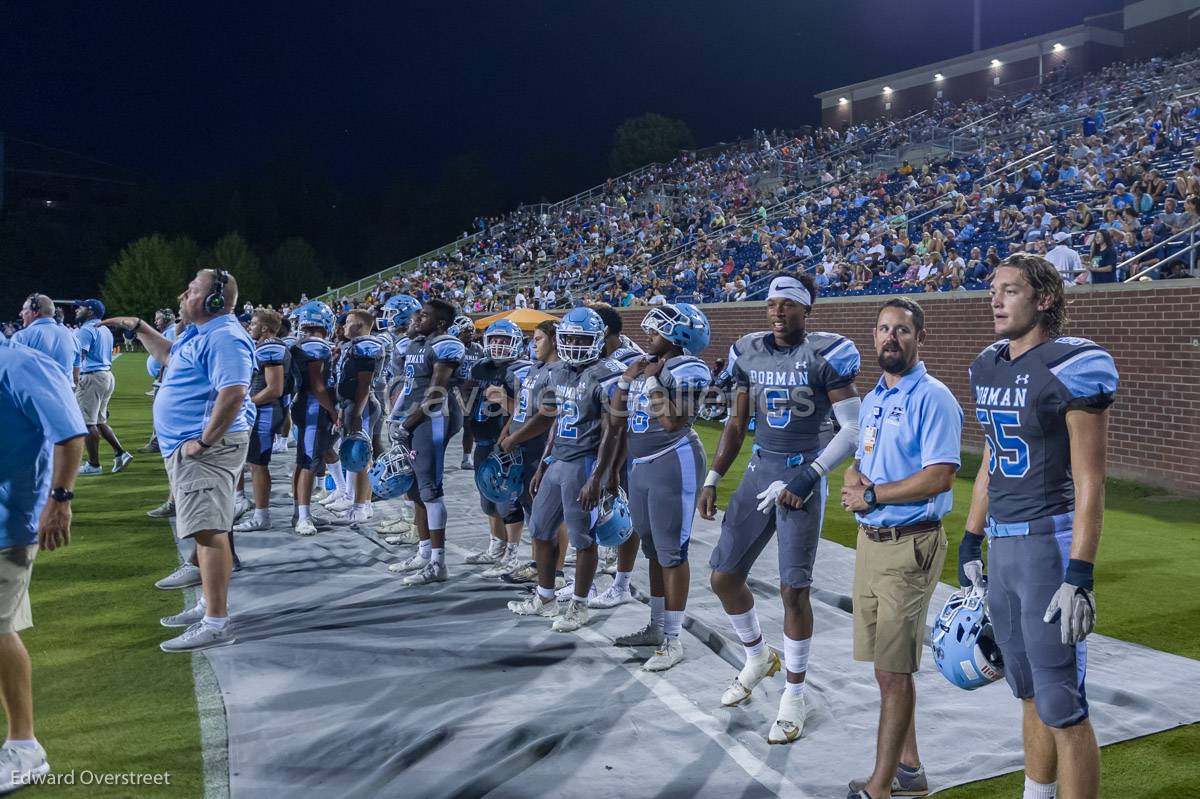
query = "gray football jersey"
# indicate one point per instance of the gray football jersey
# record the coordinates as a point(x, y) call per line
point(582, 394)
point(789, 388)
point(683, 377)
point(422, 356)
point(398, 352)
point(472, 354)
point(535, 383)
point(1022, 406)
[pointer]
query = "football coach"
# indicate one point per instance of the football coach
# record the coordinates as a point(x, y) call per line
point(202, 417)
point(899, 488)
point(43, 433)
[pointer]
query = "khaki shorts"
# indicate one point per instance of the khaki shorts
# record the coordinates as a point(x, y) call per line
point(893, 582)
point(94, 391)
point(202, 487)
point(16, 566)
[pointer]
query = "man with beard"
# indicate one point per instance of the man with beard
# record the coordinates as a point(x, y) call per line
point(899, 487)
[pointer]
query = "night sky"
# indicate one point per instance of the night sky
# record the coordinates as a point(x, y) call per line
point(180, 92)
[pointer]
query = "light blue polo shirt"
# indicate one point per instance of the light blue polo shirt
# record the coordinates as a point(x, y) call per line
point(37, 404)
point(153, 367)
point(914, 424)
point(204, 360)
point(50, 338)
point(95, 347)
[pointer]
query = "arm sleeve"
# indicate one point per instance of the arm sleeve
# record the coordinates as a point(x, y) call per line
point(842, 445)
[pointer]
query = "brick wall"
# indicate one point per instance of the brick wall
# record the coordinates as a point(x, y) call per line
point(1151, 329)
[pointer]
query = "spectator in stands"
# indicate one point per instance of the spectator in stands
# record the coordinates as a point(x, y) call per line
point(1065, 259)
point(1103, 257)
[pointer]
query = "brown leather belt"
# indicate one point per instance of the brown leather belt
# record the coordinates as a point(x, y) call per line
point(879, 534)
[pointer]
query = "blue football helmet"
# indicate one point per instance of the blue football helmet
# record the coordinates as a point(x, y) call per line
point(461, 324)
point(614, 525)
point(683, 324)
point(355, 452)
point(316, 314)
point(392, 475)
point(502, 340)
point(964, 648)
point(398, 311)
point(500, 478)
point(580, 336)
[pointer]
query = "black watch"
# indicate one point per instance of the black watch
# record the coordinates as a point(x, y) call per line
point(62, 495)
point(869, 498)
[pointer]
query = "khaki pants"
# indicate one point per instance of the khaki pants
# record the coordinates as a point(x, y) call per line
point(893, 582)
point(94, 391)
point(16, 567)
point(203, 486)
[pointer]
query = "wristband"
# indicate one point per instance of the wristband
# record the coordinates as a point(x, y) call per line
point(712, 479)
point(200, 441)
point(1079, 573)
point(652, 384)
point(623, 384)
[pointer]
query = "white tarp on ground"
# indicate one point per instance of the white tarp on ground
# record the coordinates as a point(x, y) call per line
point(344, 683)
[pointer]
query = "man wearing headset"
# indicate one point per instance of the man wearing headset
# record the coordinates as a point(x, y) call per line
point(203, 415)
point(47, 336)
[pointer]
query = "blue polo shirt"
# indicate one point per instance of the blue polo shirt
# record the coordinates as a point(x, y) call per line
point(204, 360)
point(50, 338)
point(95, 347)
point(153, 367)
point(37, 404)
point(914, 424)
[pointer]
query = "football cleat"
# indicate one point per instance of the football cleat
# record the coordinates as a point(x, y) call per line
point(305, 527)
point(250, 525)
point(355, 515)
point(430, 573)
point(789, 722)
point(414, 564)
point(647, 636)
point(121, 461)
point(490, 555)
point(755, 671)
point(668, 655)
point(397, 525)
point(339, 504)
point(86, 470)
point(408, 538)
point(534, 606)
point(502, 567)
point(574, 616)
point(523, 574)
point(241, 506)
point(611, 597)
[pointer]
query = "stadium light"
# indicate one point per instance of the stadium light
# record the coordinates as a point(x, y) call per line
point(938, 76)
point(1058, 47)
point(996, 62)
point(842, 101)
point(887, 89)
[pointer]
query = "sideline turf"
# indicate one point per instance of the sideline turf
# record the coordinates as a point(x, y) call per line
point(106, 700)
point(1148, 552)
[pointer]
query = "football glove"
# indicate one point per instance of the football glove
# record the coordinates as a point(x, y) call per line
point(1073, 605)
point(769, 496)
point(970, 562)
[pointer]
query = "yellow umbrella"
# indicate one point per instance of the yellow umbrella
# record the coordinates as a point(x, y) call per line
point(525, 318)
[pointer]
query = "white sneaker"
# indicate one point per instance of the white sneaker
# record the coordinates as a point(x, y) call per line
point(121, 461)
point(566, 590)
point(280, 445)
point(339, 504)
point(408, 538)
point(200, 636)
point(250, 524)
point(789, 722)
point(466, 464)
point(534, 606)
point(397, 525)
point(647, 636)
point(431, 573)
point(88, 469)
point(320, 496)
point(502, 566)
point(755, 671)
point(666, 656)
point(414, 564)
point(185, 619)
point(608, 561)
point(163, 511)
point(572, 618)
point(185, 576)
point(305, 527)
point(611, 597)
point(241, 506)
point(356, 515)
point(490, 555)
point(20, 766)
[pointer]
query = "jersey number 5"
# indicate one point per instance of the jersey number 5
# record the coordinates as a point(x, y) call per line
point(778, 412)
point(1007, 451)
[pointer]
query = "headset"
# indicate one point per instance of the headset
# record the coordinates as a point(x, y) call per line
point(35, 305)
point(214, 303)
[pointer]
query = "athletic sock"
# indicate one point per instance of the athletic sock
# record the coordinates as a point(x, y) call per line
point(795, 654)
point(362, 506)
point(216, 621)
point(262, 515)
point(793, 688)
point(425, 549)
point(339, 477)
point(673, 624)
point(1039, 790)
point(747, 629)
point(303, 512)
point(546, 594)
point(23, 744)
point(621, 581)
point(437, 555)
point(658, 606)
point(911, 771)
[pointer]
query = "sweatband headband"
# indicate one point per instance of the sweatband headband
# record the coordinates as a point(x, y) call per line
point(789, 288)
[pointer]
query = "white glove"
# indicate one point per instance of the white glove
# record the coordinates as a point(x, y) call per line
point(1074, 607)
point(974, 571)
point(769, 496)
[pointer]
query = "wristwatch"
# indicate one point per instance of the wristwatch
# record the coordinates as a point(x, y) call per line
point(62, 495)
point(869, 498)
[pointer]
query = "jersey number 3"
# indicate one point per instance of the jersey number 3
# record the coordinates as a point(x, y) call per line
point(1007, 451)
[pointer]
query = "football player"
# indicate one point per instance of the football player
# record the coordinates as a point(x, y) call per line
point(272, 361)
point(398, 314)
point(1043, 401)
point(431, 418)
point(359, 362)
point(661, 393)
point(792, 378)
point(313, 411)
point(464, 387)
point(582, 464)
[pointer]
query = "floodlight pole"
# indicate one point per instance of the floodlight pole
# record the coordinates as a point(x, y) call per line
point(975, 44)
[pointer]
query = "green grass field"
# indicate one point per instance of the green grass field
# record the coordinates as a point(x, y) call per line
point(107, 700)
